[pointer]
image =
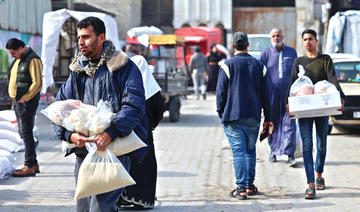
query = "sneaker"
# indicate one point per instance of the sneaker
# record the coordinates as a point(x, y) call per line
point(24, 172)
point(272, 158)
point(292, 162)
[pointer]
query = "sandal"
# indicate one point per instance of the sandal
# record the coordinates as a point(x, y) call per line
point(320, 183)
point(310, 193)
point(251, 190)
point(239, 193)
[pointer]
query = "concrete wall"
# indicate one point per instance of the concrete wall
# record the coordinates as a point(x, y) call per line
point(128, 12)
point(305, 15)
point(212, 13)
point(260, 20)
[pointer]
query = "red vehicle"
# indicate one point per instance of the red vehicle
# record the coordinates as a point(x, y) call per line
point(202, 36)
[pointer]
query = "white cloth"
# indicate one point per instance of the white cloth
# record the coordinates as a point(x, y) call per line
point(52, 25)
point(343, 33)
point(151, 87)
point(280, 65)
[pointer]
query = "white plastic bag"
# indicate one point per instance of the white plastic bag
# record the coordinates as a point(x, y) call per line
point(59, 110)
point(324, 86)
point(100, 172)
point(302, 85)
point(298, 150)
point(12, 136)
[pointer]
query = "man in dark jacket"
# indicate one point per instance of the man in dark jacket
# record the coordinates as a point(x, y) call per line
point(241, 92)
point(99, 72)
point(24, 88)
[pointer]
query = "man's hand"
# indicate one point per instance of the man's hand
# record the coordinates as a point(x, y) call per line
point(342, 105)
point(102, 141)
point(289, 114)
point(79, 139)
point(22, 100)
point(269, 125)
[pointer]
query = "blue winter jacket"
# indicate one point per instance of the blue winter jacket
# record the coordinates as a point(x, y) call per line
point(242, 89)
point(117, 80)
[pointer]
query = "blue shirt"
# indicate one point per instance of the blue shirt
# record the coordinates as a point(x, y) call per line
point(243, 89)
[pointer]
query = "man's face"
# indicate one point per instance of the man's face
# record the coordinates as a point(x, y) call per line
point(276, 38)
point(309, 42)
point(16, 53)
point(90, 44)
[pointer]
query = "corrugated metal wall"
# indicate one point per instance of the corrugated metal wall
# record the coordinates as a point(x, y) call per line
point(25, 16)
point(257, 20)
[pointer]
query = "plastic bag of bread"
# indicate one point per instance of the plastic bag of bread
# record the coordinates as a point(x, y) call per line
point(100, 172)
point(324, 86)
point(303, 85)
point(59, 110)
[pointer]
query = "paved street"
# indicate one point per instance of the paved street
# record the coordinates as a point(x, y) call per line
point(195, 172)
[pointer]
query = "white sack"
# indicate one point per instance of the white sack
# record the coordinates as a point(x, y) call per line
point(100, 172)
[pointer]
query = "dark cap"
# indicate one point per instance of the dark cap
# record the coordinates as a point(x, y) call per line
point(240, 38)
point(197, 48)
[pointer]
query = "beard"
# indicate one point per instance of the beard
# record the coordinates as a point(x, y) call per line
point(91, 48)
point(277, 45)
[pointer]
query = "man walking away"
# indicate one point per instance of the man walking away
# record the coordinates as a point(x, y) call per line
point(198, 68)
point(242, 91)
point(24, 88)
point(279, 60)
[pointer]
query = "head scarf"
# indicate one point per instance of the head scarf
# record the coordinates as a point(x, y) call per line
point(151, 87)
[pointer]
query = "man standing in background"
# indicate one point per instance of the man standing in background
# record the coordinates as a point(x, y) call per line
point(279, 60)
point(24, 88)
point(198, 69)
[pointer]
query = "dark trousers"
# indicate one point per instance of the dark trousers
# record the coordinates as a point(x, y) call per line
point(25, 116)
point(101, 202)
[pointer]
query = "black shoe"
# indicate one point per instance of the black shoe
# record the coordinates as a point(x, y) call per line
point(310, 193)
point(292, 162)
point(272, 158)
point(239, 193)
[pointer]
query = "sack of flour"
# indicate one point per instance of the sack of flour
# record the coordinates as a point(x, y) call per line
point(119, 146)
point(100, 172)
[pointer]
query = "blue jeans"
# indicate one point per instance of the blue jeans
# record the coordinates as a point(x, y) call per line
point(101, 202)
point(242, 135)
point(306, 131)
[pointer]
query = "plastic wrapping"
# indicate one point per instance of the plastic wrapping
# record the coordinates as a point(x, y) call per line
point(59, 110)
point(303, 85)
point(324, 86)
point(91, 121)
point(100, 172)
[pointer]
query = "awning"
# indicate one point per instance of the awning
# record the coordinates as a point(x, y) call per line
point(196, 39)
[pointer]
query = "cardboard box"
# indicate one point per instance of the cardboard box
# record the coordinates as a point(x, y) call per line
point(315, 105)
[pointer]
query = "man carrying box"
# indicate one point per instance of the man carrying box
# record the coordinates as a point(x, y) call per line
point(317, 67)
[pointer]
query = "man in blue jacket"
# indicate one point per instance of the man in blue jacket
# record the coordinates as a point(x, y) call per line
point(98, 72)
point(241, 92)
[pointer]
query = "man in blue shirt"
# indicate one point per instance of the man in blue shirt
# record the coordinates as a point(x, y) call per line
point(242, 91)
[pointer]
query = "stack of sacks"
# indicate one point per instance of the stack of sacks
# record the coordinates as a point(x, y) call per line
point(10, 142)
